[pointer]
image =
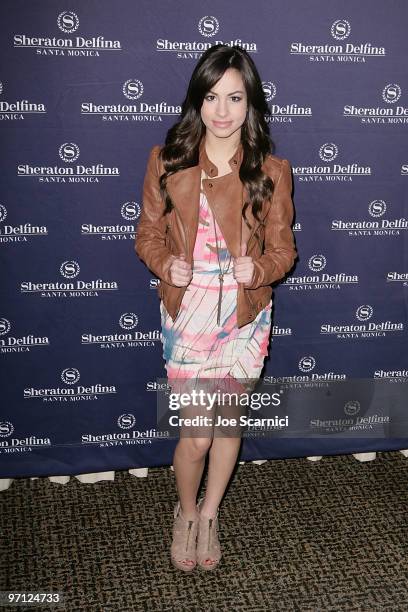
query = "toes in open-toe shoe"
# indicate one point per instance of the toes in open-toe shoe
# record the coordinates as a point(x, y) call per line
point(208, 544)
point(183, 547)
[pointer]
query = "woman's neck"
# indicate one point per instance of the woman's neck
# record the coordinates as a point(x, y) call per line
point(221, 149)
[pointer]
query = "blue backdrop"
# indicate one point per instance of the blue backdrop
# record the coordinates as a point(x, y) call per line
point(85, 92)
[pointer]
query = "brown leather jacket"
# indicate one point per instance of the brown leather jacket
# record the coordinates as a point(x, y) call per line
point(272, 247)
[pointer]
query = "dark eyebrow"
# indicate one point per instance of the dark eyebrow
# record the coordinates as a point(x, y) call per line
point(230, 94)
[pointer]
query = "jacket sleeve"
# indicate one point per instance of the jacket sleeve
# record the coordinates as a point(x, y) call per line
point(151, 230)
point(279, 251)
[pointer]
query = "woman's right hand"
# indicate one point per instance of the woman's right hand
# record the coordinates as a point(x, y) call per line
point(180, 271)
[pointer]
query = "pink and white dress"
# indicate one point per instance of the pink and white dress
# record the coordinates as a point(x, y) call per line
point(194, 346)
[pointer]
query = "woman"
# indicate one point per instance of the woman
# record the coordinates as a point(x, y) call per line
point(216, 230)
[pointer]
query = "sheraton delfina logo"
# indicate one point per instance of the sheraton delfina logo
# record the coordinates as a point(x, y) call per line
point(341, 49)
point(21, 444)
point(210, 28)
point(283, 112)
point(70, 287)
point(17, 110)
point(308, 374)
point(132, 109)
point(128, 436)
point(352, 421)
point(377, 225)
point(70, 390)
point(319, 279)
point(125, 337)
point(10, 342)
point(363, 328)
point(330, 172)
point(397, 277)
point(392, 375)
point(71, 44)
point(68, 152)
point(280, 331)
point(22, 232)
point(129, 211)
point(389, 112)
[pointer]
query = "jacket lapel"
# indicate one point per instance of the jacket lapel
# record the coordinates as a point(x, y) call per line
point(184, 190)
point(227, 200)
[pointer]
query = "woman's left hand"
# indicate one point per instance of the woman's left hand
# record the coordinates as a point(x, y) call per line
point(243, 267)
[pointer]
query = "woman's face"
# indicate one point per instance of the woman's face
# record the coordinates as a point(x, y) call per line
point(224, 107)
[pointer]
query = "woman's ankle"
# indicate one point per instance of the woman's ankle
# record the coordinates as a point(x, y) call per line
point(207, 511)
point(189, 514)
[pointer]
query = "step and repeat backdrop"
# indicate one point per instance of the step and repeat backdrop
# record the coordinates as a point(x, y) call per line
point(86, 89)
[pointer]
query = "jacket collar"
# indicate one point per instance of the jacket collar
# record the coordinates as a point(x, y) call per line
point(211, 169)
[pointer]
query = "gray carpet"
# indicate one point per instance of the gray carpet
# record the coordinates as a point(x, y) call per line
point(296, 535)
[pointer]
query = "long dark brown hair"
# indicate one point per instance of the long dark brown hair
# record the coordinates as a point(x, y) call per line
point(181, 148)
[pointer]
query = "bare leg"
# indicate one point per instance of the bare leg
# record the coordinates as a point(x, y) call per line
point(188, 464)
point(192, 448)
point(224, 450)
point(223, 457)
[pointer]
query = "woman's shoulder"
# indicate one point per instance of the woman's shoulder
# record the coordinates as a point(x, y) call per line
point(273, 165)
point(155, 150)
point(153, 159)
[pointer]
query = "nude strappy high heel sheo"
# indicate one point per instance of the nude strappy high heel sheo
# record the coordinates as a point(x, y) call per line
point(183, 546)
point(208, 544)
